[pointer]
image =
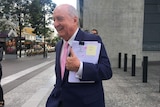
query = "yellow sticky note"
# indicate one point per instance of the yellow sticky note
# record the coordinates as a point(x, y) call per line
point(91, 50)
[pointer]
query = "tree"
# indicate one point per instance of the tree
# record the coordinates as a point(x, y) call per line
point(55, 40)
point(39, 9)
point(28, 13)
point(14, 10)
point(6, 25)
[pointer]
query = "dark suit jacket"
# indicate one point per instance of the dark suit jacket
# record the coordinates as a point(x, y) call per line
point(81, 94)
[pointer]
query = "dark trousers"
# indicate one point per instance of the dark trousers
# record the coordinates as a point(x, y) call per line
point(1, 90)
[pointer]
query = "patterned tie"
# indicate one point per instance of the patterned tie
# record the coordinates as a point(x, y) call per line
point(63, 59)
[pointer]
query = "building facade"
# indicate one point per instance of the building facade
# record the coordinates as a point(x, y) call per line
point(120, 24)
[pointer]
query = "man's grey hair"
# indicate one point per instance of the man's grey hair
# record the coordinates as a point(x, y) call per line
point(72, 11)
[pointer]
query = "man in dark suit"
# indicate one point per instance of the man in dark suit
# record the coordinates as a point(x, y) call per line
point(66, 94)
point(94, 31)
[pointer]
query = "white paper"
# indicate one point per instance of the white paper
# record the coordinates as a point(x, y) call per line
point(89, 52)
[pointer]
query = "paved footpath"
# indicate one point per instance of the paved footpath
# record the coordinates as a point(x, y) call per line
point(123, 90)
point(32, 93)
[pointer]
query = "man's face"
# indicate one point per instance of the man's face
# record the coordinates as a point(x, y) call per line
point(64, 23)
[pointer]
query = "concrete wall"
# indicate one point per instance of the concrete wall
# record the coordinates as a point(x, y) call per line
point(120, 25)
point(152, 55)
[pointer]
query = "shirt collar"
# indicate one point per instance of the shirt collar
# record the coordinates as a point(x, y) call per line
point(73, 37)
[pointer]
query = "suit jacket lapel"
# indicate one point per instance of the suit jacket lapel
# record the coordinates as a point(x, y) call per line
point(58, 56)
point(79, 36)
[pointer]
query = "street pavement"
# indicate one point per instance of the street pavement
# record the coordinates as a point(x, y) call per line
point(25, 78)
point(122, 90)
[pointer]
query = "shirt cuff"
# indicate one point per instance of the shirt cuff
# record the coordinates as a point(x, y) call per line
point(80, 71)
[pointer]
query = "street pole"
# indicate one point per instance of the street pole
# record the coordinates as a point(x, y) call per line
point(44, 25)
point(20, 35)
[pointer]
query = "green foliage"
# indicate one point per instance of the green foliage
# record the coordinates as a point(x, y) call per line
point(38, 11)
point(36, 17)
point(14, 10)
point(28, 13)
point(6, 25)
point(55, 40)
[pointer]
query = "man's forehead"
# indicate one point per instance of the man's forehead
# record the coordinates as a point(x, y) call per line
point(59, 14)
point(60, 11)
point(61, 8)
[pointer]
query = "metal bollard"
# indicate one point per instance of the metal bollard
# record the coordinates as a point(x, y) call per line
point(119, 60)
point(133, 64)
point(159, 85)
point(125, 62)
point(145, 68)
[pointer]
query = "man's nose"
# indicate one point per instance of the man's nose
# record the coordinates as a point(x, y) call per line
point(55, 24)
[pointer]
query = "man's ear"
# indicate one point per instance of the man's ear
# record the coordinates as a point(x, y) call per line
point(75, 19)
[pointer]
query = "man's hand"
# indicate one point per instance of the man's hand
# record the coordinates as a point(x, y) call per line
point(72, 62)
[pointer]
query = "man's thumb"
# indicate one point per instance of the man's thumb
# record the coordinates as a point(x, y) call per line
point(71, 52)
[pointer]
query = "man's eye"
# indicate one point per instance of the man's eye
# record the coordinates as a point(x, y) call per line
point(60, 18)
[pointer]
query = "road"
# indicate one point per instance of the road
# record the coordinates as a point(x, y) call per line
point(17, 71)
